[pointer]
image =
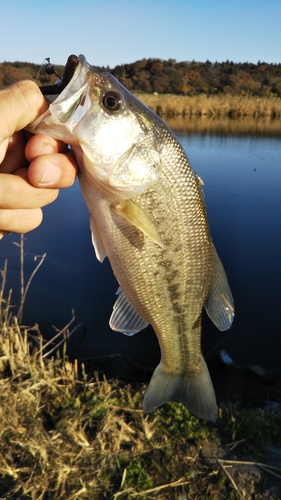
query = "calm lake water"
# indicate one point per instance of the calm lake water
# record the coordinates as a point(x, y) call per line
point(242, 176)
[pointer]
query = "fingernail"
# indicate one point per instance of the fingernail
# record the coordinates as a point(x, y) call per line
point(2, 234)
point(46, 148)
point(51, 173)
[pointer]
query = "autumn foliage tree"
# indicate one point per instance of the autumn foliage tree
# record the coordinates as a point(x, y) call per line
point(185, 78)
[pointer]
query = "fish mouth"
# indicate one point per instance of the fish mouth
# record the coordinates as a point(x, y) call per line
point(72, 93)
point(69, 70)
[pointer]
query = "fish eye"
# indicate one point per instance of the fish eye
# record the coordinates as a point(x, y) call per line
point(112, 101)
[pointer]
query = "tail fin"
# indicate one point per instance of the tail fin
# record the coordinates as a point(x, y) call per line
point(195, 392)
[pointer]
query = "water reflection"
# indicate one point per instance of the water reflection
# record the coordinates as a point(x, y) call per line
point(262, 127)
point(242, 177)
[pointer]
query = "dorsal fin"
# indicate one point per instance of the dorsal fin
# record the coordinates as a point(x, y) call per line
point(219, 304)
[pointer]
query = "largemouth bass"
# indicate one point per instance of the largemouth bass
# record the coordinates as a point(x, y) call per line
point(147, 215)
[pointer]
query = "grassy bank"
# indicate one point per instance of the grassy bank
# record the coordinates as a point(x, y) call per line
point(167, 105)
point(67, 434)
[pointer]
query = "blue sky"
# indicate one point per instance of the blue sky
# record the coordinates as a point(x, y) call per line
point(112, 32)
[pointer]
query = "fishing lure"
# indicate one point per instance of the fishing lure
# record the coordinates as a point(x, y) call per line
point(57, 88)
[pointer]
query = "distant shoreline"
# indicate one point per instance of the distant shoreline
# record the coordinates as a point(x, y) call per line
point(169, 105)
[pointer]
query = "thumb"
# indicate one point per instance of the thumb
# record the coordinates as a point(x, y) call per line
point(20, 104)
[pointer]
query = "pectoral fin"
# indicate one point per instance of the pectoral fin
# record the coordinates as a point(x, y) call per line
point(134, 214)
point(124, 317)
point(219, 304)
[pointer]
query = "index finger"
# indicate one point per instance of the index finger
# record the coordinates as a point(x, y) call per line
point(20, 104)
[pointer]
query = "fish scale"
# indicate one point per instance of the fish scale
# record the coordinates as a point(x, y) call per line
point(164, 300)
point(148, 217)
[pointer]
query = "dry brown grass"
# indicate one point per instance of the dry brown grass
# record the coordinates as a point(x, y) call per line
point(168, 105)
point(64, 437)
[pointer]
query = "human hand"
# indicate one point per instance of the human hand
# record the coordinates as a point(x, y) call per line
point(31, 171)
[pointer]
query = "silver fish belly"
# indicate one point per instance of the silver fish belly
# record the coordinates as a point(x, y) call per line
point(148, 217)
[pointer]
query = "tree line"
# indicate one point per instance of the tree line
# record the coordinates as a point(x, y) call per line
point(183, 78)
point(11, 72)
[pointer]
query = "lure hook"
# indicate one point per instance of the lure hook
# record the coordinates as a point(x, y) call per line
point(50, 68)
point(57, 88)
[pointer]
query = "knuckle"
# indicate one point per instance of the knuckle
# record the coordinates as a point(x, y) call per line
point(20, 220)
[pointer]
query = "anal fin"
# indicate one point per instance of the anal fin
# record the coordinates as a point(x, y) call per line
point(124, 317)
